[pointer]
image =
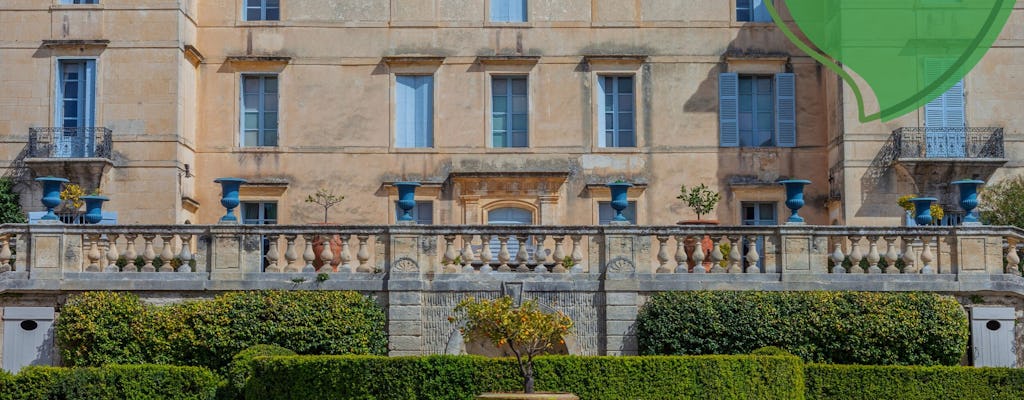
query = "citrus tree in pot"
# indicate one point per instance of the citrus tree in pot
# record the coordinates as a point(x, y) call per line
point(527, 331)
point(702, 201)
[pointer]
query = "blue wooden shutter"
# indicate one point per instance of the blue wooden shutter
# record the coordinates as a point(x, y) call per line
point(500, 10)
point(517, 10)
point(785, 109)
point(405, 110)
point(954, 99)
point(760, 11)
point(935, 110)
point(602, 127)
point(424, 111)
point(89, 118)
point(728, 109)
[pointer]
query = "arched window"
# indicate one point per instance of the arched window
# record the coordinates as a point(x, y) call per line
point(509, 216)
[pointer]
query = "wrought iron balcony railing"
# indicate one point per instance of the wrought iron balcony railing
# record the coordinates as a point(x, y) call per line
point(77, 142)
point(967, 143)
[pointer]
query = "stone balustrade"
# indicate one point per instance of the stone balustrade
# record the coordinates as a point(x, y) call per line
point(598, 275)
point(238, 252)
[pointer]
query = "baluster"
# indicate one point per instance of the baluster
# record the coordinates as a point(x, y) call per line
point(5, 254)
point(129, 253)
point(272, 254)
point(186, 251)
point(363, 254)
point(307, 255)
point(873, 256)
point(698, 256)
point(540, 254)
point(559, 255)
point(345, 258)
point(577, 254)
point(112, 253)
point(663, 266)
point(522, 253)
point(752, 256)
point(855, 255)
point(891, 255)
point(467, 254)
point(680, 257)
point(735, 255)
point(290, 254)
point(1012, 258)
point(838, 257)
point(326, 254)
point(909, 256)
point(926, 256)
point(148, 253)
point(717, 256)
point(485, 253)
point(166, 255)
point(448, 258)
point(94, 253)
point(503, 256)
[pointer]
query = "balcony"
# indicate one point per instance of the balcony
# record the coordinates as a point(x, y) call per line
point(82, 154)
point(933, 157)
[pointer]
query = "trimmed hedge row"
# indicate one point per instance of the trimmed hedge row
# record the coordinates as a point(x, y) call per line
point(113, 382)
point(464, 377)
point(827, 327)
point(98, 328)
point(867, 382)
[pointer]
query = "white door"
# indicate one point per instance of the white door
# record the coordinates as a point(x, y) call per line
point(992, 336)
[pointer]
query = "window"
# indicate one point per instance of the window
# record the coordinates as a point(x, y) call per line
point(508, 10)
point(259, 110)
point(757, 214)
point(509, 112)
point(414, 111)
point(510, 216)
point(75, 109)
point(262, 10)
point(616, 104)
point(752, 11)
point(423, 213)
point(79, 1)
point(605, 212)
point(260, 213)
point(944, 116)
point(757, 111)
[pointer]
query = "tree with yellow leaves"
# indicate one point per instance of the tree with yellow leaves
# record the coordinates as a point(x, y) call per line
point(527, 330)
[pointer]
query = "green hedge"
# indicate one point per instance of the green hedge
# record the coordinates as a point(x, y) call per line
point(113, 382)
point(463, 377)
point(98, 328)
point(828, 327)
point(240, 369)
point(865, 382)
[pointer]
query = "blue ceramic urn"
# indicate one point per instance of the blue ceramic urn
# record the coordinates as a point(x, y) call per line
point(795, 198)
point(620, 199)
point(229, 197)
point(51, 195)
point(969, 198)
point(406, 199)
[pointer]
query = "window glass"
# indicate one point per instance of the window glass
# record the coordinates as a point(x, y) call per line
point(259, 110)
point(509, 111)
point(616, 116)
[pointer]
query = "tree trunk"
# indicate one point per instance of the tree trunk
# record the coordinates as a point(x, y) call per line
point(528, 382)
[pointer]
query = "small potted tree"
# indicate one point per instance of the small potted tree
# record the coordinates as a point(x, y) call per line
point(325, 199)
point(702, 201)
point(526, 330)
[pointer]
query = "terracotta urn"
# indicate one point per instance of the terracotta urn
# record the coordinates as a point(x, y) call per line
point(318, 246)
point(706, 244)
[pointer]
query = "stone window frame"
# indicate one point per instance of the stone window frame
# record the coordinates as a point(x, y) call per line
point(508, 66)
point(242, 6)
point(488, 22)
point(241, 109)
point(412, 65)
point(97, 105)
point(599, 66)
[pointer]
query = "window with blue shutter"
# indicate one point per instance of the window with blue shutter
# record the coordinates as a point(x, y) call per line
point(508, 10)
point(616, 118)
point(259, 110)
point(757, 111)
point(75, 110)
point(785, 109)
point(414, 111)
point(728, 110)
point(509, 111)
point(262, 10)
point(944, 117)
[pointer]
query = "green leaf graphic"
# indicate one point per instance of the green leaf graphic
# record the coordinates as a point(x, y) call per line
point(908, 51)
